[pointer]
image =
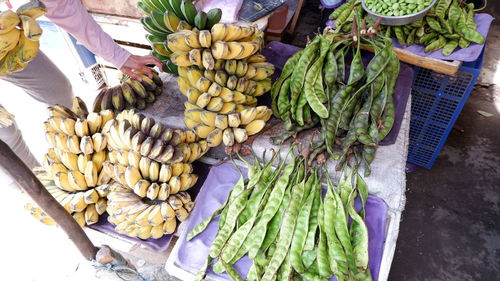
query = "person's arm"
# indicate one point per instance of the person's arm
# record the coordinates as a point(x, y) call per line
point(74, 18)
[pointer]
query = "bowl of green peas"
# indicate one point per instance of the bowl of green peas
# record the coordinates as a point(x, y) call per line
point(397, 12)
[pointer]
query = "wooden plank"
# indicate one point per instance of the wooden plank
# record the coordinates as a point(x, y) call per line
point(295, 17)
point(441, 66)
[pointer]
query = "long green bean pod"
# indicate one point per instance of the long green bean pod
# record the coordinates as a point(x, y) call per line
point(286, 232)
point(259, 231)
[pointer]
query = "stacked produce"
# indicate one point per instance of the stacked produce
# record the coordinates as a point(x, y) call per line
point(221, 74)
point(279, 219)
point(151, 165)
point(313, 89)
point(449, 24)
point(167, 16)
point(73, 165)
point(129, 94)
point(19, 35)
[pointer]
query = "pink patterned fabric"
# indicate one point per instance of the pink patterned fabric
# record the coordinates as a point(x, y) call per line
point(74, 18)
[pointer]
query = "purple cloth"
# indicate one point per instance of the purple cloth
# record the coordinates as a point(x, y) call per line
point(470, 53)
point(278, 53)
point(220, 181)
point(332, 4)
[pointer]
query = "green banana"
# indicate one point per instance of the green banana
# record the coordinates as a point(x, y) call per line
point(171, 20)
point(144, 8)
point(188, 11)
point(176, 8)
point(152, 31)
point(170, 67)
point(157, 20)
point(158, 56)
point(200, 20)
point(213, 17)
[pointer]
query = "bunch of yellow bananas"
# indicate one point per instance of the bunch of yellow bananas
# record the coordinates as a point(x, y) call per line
point(135, 217)
point(84, 205)
point(19, 35)
point(164, 17)
point(73, 166)
point(153, 163)
point(223, 41)
point(130, 93)
point(222, 82)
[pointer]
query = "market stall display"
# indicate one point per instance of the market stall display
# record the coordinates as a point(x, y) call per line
point(129, 94)
point(222, 74)
point(164, 17)
point(19, 35)
point(292, 217)
point(73, 167)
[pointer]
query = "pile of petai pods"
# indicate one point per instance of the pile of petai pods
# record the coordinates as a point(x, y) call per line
point(448, 25)
point(358, 109)
point(281, 220)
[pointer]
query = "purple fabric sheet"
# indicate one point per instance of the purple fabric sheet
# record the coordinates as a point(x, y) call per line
point(220, 181)
point(158, 245)
point(278, 53)
point(470, 53)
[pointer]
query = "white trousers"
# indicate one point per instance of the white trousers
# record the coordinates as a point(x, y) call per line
point(44, 82)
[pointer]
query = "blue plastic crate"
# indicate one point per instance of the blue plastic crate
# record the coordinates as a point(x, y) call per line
point(437, 100)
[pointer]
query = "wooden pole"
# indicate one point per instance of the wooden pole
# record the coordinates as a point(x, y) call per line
point(28, 182)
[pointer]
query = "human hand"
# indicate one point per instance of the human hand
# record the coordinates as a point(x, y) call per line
point(139, 63)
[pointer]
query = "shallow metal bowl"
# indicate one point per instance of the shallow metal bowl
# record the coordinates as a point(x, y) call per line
point(398, 20)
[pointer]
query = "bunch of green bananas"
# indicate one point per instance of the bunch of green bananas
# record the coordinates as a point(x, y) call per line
point(129, 94)
point(151, 164)
point(18, 46)
point(167, 16)
point(72, 168)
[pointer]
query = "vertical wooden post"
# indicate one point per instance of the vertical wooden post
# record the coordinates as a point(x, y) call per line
point(14, 166)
